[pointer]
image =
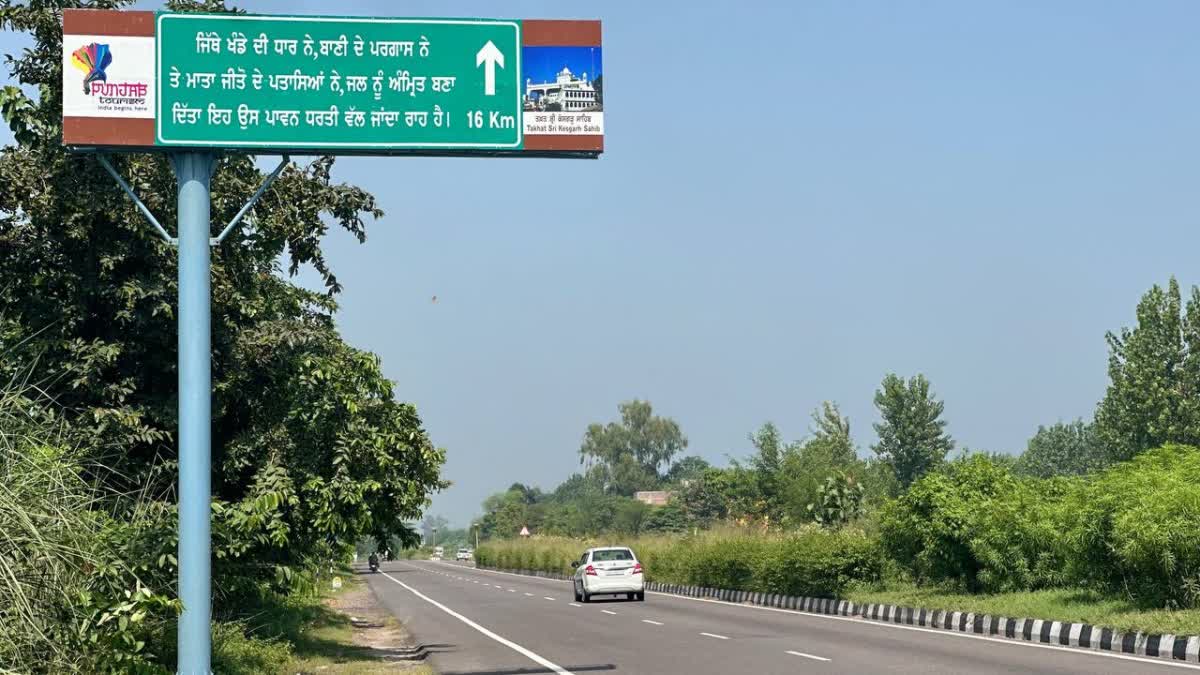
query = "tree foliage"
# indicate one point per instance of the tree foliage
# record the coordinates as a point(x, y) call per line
point(1062, 449)
point(1153, 394)
point(633, 451)
point(912, 433)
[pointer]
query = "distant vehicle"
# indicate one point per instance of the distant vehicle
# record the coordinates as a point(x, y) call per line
point(438, 551)
point(612, 570)
point(463, 554)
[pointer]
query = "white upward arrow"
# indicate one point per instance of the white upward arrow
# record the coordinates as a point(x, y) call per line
point(491, 56)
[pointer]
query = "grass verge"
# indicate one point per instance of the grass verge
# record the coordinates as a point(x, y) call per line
point(1074, 605)
point(342, 632)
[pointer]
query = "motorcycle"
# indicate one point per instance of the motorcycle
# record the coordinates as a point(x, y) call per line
point(374, 565)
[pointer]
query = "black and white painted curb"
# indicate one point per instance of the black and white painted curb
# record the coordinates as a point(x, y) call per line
point(1080, 635)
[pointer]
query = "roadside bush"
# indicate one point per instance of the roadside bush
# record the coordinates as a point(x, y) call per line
point(1133, 528)
point(816, 562)
point(975, 524)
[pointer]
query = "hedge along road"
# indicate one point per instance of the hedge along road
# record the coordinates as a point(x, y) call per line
point(475, 622)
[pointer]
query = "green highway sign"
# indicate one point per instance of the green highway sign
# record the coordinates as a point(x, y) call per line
point(341, 84)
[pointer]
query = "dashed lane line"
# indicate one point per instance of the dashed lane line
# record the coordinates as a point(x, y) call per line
point(814, 657)
point(714, 635)
point(651, 622)
point(608, 612)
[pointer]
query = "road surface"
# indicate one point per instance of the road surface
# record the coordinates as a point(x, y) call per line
point(476, 622)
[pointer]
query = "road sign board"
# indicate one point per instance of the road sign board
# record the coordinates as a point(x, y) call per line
point(290, 84)
point(319, 82)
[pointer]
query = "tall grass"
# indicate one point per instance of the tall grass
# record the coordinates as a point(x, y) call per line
point(809, 561)
point(63, 606)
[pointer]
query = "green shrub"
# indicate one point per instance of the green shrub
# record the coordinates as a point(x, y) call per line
point(815, 562)
point(1134, 528)
point(974, 523)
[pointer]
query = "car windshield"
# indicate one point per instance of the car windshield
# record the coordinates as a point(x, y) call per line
point(612, 554)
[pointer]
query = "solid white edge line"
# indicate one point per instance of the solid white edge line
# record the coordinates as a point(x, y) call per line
point(808, 656)
point(559, 670)
point(655, 623)
point(714, 635)
point(1079, 651)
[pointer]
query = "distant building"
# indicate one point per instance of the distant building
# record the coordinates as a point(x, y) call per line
point(653, 497)
point(569, 92)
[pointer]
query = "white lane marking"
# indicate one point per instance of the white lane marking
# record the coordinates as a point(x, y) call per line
point(879, 624)
point(547, 597)
point(653, 623)
point(498, 586)
point(608, 612)
point(557, 669)
point(529, 594)
point(808, 656)
point(574, 604)
point(714, 635)
point(512, 590)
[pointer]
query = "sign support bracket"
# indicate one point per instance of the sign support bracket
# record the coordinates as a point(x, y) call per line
point(253, 200)
point(137, 202)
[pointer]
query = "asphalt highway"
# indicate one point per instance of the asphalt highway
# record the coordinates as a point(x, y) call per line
point(476, 622)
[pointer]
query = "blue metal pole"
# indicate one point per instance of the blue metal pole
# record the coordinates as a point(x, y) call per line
point(193, 170)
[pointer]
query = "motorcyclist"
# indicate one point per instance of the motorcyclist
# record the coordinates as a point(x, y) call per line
point(373, 561)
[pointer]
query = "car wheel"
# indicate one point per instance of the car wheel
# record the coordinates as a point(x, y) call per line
point(641, 596)
point(631, 596)
point(575, 590)
point(584, 597)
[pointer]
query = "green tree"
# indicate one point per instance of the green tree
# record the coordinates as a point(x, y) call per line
point(1062, 449)
point(767, 463)
point(686, 469)
point(630, 516)
point(434, 528)
point(912, 434)
point(1153, 395)
point(830, 450)
point(669, 518)
point(631, 452)
point(706, 499)
point(832, 430)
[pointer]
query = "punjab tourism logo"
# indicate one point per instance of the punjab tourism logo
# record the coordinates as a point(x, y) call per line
point(105, 95)
point(92, 59)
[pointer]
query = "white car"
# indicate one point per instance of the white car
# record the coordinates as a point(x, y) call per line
point(463, 554)
point(611, 570)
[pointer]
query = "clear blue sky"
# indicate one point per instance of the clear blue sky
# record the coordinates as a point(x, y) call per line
point(796, 198)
